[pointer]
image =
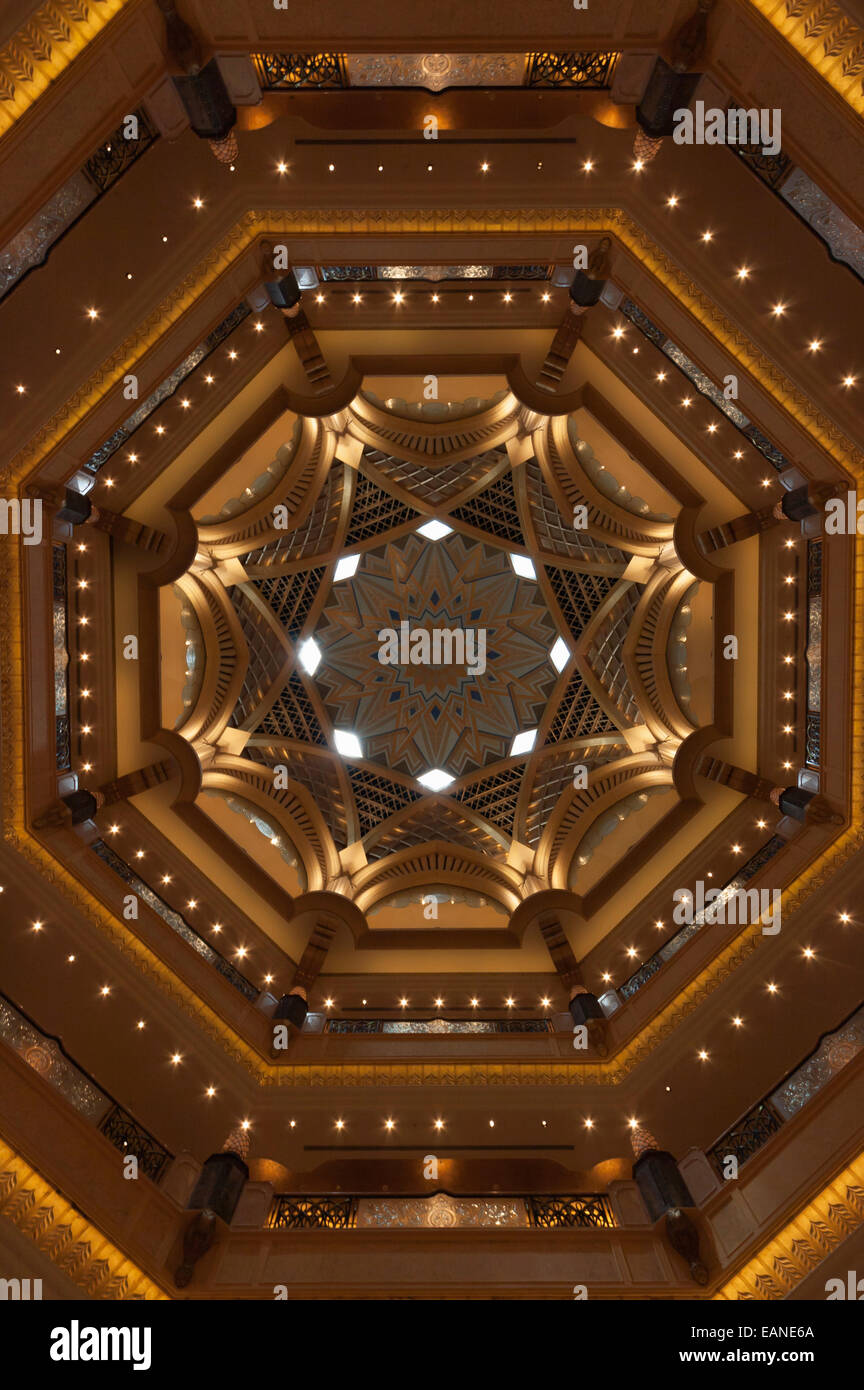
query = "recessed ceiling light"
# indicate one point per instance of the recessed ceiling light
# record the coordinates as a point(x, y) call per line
point(310, 655)
point(436, 779)
point(560, 654)
point(523, 566)
point(345, 567)
point(348, 744)
point(434, 530)
point(523, 743)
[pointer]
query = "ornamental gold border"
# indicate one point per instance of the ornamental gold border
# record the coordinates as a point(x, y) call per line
point(804, 1242)
point(12, 676)
point(71, 1242)
point(826, 37)
point(43, 48)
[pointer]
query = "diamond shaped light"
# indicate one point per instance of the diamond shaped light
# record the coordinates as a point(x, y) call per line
point(523, 566)
point(523, 743)
point(436, 780)
point(560, 654)
point(347, 744)
point(345, 567)
point(434, 530)
point(309, 654)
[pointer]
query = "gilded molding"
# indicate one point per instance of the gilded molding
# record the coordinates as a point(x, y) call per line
point(804, 1242)
point(43, 48)
point(78, 1248)
point(826, 37)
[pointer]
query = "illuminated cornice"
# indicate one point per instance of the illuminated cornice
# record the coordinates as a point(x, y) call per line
point(804, 1242)
point(826, 37)
point(43, 48)
point(72, 1243)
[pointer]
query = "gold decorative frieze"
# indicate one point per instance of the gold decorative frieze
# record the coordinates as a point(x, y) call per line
point(826, 37)
point(802, 1245)
point(44, 47)
point(71, 1242)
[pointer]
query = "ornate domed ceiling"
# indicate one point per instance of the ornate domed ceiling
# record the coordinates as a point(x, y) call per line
point(431, 637)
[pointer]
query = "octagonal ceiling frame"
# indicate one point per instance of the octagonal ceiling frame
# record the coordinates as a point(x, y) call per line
point(822, 430)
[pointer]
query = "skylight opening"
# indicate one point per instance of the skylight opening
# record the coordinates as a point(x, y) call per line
point(345, 567)
point(310, 655)
point(560, 654)
point(523, 743)
point(434, 530)
point(523, 566)
point(436, 779)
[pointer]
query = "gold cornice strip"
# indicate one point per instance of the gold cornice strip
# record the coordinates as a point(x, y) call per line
point(43, 48)
point(804, 1242)
point(826, 37)
point(787, 397)
point(71, 1242)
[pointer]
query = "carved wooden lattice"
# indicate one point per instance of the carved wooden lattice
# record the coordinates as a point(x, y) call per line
point(293, 715)
point(494, 511)
point(265, 656)
point(434, 485)
point(374, 511)
point(290, 597)
point(376, 798)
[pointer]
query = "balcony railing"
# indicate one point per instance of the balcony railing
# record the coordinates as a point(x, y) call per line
point(683, 935)
point(47, 1056)
point(441, 1210)
point(830, 1055)
point(176, 921)
point(437, 1025)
